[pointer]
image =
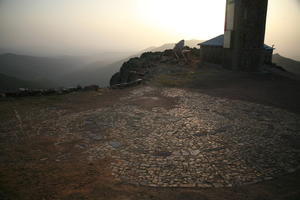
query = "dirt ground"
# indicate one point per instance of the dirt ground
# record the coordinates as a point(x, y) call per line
point(31, 167)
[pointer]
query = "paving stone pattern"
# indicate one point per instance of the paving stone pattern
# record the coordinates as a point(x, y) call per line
point(201, 141)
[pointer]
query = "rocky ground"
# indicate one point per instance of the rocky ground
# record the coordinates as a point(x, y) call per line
point(194, 140)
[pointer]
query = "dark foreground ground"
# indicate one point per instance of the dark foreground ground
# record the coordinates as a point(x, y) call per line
point(33, 166)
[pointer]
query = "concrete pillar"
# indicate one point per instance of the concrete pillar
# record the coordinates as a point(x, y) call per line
point(245, 32)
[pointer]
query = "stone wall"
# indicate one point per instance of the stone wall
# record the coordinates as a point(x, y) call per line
point(25, 92)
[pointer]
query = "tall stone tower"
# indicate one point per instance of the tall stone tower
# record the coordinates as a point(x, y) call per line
point(244, 34)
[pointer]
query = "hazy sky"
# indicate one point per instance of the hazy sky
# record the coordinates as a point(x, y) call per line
point(87, 26)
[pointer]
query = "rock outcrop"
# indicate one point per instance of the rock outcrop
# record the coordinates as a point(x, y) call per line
point(145, 66)
point(135, 68)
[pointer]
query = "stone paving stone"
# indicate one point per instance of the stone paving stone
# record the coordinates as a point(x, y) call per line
point(115, 144)
point(202, 141)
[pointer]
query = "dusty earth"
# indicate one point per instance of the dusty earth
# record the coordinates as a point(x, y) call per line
point(77, 146)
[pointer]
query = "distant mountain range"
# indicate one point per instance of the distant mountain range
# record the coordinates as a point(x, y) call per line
point(47, 72)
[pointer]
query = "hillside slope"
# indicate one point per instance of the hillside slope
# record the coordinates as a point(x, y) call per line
point(8, 83)
point(287, 63)
point(36, 68)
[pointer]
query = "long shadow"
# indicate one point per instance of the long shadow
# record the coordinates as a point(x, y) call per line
point(268, 89)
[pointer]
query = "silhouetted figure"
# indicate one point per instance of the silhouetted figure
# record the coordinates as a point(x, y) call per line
point(180, 51)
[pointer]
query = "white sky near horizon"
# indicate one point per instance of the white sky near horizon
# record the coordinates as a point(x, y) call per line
point(76, 27)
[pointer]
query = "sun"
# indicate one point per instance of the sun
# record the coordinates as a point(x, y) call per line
point(190, 18)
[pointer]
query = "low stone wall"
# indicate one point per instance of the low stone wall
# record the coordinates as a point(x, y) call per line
point(25, 92)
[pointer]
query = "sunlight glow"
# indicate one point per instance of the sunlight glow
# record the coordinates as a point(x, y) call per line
point(190, 18)
point(83, 26)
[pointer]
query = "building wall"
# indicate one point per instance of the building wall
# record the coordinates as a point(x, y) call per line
point(212, 54)
point(223, 56)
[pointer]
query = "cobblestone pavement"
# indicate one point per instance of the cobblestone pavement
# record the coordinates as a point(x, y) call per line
point(178, 138)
